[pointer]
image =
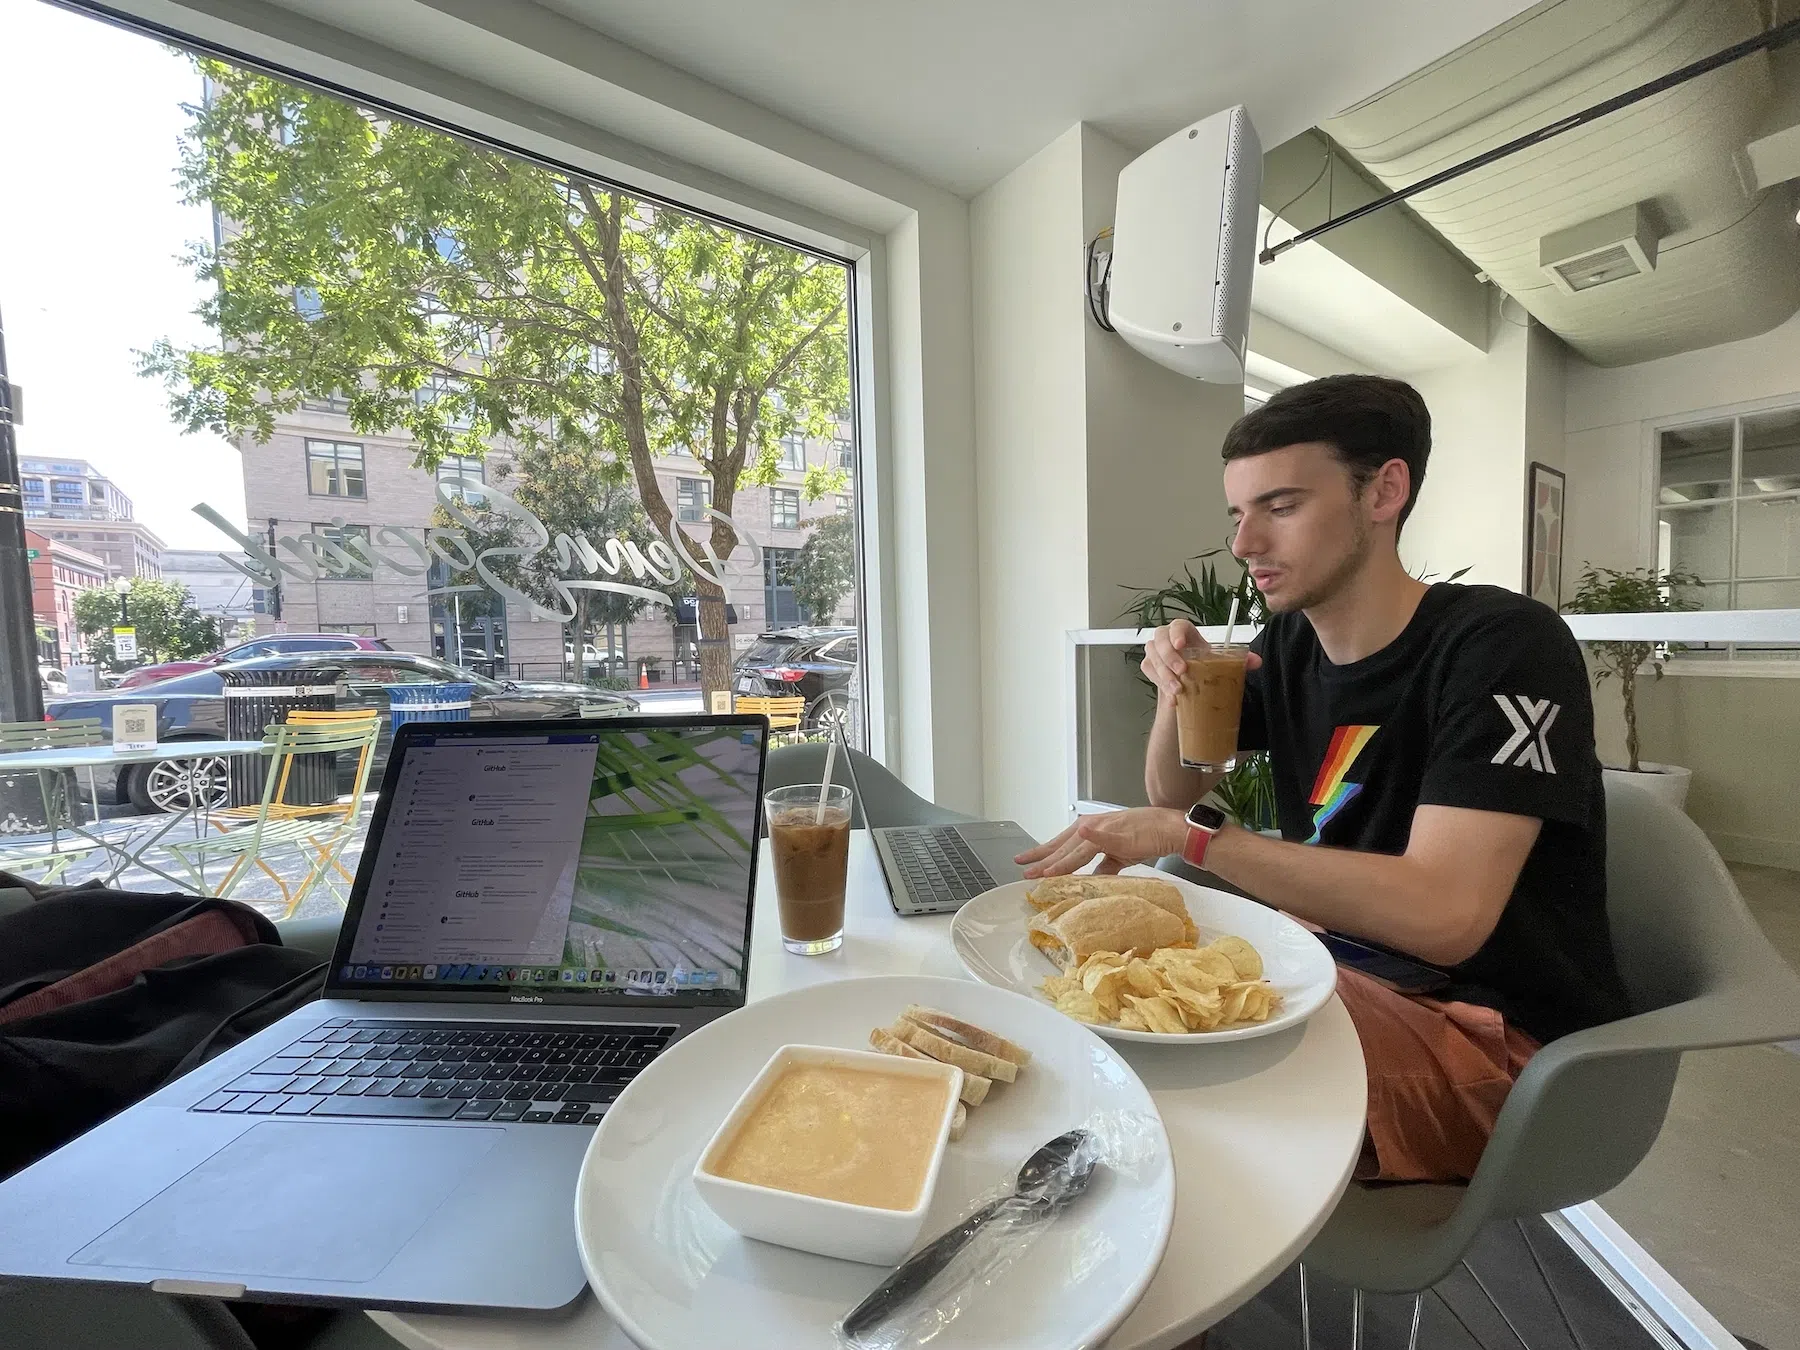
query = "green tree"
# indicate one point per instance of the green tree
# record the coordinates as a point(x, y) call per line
point(825, 571)
point(462, 295)
point(169, 627)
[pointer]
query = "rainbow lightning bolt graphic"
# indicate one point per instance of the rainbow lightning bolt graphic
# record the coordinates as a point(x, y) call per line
point(1331, 793)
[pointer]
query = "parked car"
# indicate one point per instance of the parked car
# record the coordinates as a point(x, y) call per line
point(192, 707)
point(818, 664)
point(53, 681)
point(275, 644)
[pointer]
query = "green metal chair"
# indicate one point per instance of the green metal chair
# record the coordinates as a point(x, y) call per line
point(317, 839)
point(1587, 1108)
point(50, 863)
point(885, 800)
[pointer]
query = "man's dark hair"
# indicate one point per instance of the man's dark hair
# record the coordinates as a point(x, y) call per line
point(1366, 419)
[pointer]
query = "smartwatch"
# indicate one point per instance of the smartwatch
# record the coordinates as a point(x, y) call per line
point(1203, 822)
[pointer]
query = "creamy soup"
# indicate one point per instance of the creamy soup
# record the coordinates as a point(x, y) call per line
point(841, 1133)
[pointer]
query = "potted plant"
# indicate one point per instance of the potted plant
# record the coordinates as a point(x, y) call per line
point(1248, 792)
point(1637, 590)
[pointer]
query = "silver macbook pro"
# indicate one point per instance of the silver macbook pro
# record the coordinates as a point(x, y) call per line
point(933, 869)
point(540, 910)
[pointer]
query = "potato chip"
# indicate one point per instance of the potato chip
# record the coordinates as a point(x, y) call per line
point(1243, 957)
point(1201, 1011)
point(1173, 991)
point(1143, 980)
point(1107, 987)
point(1159, 1014)
point(1131, 1020)
point(1080, 1005)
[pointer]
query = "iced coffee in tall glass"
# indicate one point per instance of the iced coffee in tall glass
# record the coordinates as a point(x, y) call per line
point(1208, 707)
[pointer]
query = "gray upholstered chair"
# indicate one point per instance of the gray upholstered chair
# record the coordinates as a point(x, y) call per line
point(883, 800)
point(1587, 1108)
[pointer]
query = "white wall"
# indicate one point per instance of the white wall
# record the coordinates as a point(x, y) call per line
point(1470, 508)
point(1031, 471)
point(1607, 439)
point(1737, 733)
point(1096, 470)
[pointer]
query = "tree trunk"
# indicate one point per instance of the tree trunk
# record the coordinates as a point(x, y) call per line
point(1628, 692)
point(714, 646)
point(581, 630)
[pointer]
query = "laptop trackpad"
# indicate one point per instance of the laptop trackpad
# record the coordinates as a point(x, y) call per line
point(303, 1201)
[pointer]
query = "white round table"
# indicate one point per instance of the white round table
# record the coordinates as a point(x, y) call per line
point(1264, 1132)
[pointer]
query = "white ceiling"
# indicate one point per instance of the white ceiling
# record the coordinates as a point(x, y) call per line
point(960, 92)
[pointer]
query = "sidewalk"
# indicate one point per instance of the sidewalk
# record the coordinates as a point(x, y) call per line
point(258, 890)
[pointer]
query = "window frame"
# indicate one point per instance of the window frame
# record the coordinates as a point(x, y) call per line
point(1652, 506)
point(362, 466)
point(333, 533)
point(792, 456)
point(784, 495)
point(702, 493)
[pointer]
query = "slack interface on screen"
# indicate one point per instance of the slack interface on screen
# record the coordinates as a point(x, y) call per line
point(478, 860)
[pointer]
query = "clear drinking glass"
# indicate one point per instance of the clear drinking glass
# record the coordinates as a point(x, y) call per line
point(812, 859)
point(1209, 706)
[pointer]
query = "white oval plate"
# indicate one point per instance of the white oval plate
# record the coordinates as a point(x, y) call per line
point(989, 936)
point(674, 1276)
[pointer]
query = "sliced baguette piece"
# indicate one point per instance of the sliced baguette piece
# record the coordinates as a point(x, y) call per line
point(964, 1057)
point(979, 1038)
point(959, 1122)
point(974, 1088)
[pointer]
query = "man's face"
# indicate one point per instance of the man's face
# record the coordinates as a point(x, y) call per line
point(1302, 526)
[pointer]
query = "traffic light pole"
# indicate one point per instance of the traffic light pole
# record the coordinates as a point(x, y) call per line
point(21, 693)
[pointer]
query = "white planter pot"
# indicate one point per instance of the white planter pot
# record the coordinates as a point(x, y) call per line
point(1668, 781)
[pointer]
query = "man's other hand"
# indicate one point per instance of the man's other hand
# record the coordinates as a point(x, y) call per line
point(1118, 838)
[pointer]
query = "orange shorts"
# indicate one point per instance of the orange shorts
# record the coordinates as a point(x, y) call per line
point(1438, 1073)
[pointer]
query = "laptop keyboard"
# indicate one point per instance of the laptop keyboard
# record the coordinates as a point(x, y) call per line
point(555, 1074)
point(937, 865)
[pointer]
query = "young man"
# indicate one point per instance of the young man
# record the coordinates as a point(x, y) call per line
point(1433, 752)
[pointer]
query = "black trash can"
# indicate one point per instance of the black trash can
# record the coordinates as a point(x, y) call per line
point(254, 699)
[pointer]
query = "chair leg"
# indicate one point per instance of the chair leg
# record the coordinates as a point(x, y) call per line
point(1305, 1313)
point(1412, 1337)
point(1356, 1319)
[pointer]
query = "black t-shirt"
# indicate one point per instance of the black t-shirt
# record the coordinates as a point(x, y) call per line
point(1481, 702)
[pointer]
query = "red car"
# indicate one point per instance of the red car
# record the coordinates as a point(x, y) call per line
point(275, 644)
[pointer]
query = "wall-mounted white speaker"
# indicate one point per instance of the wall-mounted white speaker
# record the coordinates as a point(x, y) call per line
point(1184, 247)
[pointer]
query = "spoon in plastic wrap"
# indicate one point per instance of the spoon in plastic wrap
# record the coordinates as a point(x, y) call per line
point(1053, 1176)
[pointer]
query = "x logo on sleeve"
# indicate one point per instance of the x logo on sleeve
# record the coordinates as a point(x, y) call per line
point(1531, 719)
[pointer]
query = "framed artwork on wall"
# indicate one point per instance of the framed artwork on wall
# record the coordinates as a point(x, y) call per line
point(1544, 496)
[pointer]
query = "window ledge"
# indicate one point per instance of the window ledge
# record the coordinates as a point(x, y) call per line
point(1751, 670)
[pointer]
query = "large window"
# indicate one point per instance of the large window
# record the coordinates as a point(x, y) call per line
point(693, 499)
point(784, 508)
point(639, 459)
point(1728, 513)
point(334, 469)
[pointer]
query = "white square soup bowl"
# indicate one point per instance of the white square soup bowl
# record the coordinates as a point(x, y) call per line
point(879, 1237)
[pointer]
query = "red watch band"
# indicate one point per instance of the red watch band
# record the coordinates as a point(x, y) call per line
point(1193, 851)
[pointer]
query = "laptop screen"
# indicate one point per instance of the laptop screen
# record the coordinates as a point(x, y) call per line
point(596, 863)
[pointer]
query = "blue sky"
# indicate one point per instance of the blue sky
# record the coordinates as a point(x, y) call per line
point(92, 231)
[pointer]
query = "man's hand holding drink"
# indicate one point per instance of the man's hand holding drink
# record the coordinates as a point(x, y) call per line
point(1204, 685)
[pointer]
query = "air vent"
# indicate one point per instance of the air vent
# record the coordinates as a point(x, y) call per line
point(1598, 252)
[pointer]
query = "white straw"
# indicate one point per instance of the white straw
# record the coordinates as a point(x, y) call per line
point(825, 787)
point(1231, 622)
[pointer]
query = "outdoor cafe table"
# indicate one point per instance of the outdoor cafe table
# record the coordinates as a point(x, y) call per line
point(1264, 1133)
point(133, 852)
